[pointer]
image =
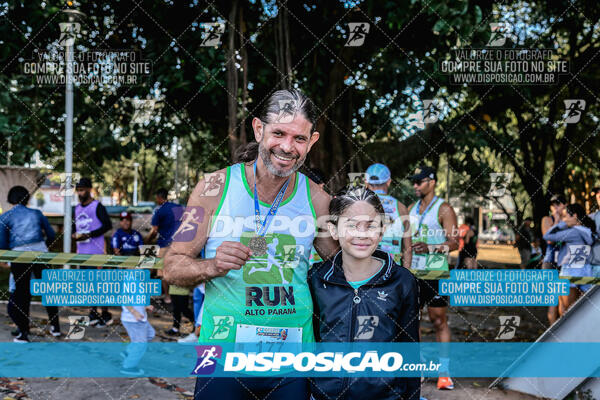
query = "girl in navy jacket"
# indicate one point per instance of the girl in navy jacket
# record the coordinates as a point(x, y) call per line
point(362, 295)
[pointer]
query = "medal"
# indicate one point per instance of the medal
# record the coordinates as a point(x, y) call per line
point(258, 245)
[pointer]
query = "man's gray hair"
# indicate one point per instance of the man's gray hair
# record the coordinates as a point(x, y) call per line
point(287, 102)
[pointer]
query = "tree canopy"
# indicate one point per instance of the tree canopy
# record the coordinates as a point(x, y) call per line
point(206, 96)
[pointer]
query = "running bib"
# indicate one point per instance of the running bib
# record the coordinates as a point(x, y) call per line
point(429, 261)
point(267, 334)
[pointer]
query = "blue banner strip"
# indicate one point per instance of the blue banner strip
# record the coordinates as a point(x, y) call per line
point(315, 360)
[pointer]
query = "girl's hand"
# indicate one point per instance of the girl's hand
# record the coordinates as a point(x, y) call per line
point(150, 308)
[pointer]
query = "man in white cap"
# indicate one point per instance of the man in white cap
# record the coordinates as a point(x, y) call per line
point(394, 240)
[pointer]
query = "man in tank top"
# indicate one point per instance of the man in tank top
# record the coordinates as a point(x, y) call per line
point(395, 242)
point(434, 234)
point(259, 227)
point(91, 223)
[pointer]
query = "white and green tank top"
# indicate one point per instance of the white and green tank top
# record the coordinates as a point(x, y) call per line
point(268, 299)
point(427, 228)
point(392, 237)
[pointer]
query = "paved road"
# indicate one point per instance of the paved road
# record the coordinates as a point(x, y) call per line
point(495, 256)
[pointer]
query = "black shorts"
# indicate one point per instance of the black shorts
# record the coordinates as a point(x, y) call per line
point(429, 296)
point(290, 388)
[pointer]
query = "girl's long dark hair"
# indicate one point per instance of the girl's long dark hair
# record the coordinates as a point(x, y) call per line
point(577, 209)
point(349, 196)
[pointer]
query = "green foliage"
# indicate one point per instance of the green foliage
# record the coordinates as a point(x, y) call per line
point(364, 94)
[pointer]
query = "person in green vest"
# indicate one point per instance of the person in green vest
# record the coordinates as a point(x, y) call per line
point(262, 217)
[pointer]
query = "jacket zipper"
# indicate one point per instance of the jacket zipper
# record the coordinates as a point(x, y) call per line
point(353, 305)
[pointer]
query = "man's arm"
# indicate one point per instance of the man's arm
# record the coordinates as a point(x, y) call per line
point(469, 235)
point(152, 234)
point(135, 313)
point(406, 236)
point(4, 235)
point(182, 268)
point(449, 223)
point(546, 224)
point(114, 242)
point(324, 243)
point(104, 219)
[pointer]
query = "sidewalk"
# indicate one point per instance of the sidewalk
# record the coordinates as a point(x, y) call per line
point(90, 388)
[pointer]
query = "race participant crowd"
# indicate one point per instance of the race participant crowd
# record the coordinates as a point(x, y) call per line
point(341, 272)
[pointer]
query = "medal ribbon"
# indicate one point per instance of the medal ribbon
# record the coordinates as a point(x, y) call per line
point(261, 229)
point(422, 217)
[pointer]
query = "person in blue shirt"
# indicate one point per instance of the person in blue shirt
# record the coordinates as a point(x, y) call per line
point(165, 222)
point(574, 231)
point(126, 241)
point(23, 229)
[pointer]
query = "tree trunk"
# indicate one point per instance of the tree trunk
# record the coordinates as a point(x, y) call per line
point(232, 81)
point(288, 53)
point(244, 54)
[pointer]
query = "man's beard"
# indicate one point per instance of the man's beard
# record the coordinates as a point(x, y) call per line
point(420, 194)
point(265, 156)
point(84, 198)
